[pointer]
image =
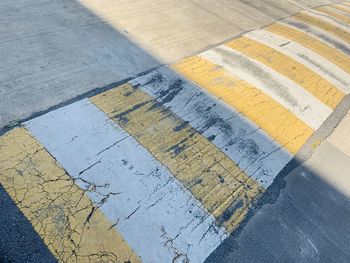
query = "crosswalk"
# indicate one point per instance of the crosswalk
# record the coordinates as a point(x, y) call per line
point(164, 167)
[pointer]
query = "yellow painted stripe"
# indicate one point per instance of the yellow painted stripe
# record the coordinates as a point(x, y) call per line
point(333, 55)
point(60, 212)
point(282, 125)
point(336, 15)
point(332, 29)
point(297, 72)
point(213, 178)
point(341, 8)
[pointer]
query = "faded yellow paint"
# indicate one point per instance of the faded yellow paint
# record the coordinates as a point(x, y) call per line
point(328, 11)
point(316, 144)
point(295, 71)
point(200, 166)
point(342, 8)
point(330, 28)
point(333, 55)
point(60, 212)
point(282, 125)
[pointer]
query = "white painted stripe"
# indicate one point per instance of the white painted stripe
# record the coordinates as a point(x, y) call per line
point(155, 214)
point(334, 10)
point(286, 92)
point(240, 139)
point(305, 56)
point(319, 34)
point(326, 18)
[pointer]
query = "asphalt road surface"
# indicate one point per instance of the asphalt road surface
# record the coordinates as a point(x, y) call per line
point(174, 131)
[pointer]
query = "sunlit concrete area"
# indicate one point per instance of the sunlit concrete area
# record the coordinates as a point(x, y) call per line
point(174, 131)
point(53, 51)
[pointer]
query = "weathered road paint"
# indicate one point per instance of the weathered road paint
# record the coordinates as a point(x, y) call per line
point(343, 8)
point(281, 125)
point(288, 67)
point(308, 41)
point(170, 166)
point(326, 25)
point(334, 13)
point(324, 68)
point(213, 178)
point(335, 21)
point(156, 215)
point(71, 226)
point(242, 140)
point(322, 35)
point(284, 91)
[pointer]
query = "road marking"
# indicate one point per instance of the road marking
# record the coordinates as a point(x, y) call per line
point(312, 43)
point(341, 8)
point(272, 117)
point(322, 35)
point(296, 99)
point(325, 25)
point(254, 151)
point(73, 229)
point(156, 215)
point(217, 182)
point(329, 19)
point(333, 74)
point(168, 166)
point(288, 67)
point(333, 13)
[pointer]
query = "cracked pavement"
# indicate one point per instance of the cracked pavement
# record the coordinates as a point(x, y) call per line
point(192, 161)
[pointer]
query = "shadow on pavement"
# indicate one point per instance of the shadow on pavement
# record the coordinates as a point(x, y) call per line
point(300, 218)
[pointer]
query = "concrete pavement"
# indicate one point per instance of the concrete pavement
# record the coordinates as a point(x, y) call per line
point(309, 219)
point(171, 163)
point(54, 51)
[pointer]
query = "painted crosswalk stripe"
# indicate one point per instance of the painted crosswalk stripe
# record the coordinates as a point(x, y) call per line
point(308, 41)
point(272, 117)
point(320, 34)
point(286, 92)
point(327, 25)
point(333, 74)
point(344, 9)
point(155, 214)
point(217, 182)
point(71, 226)
point(319, 88)
point(328, 18)
point(254, 151)
point(334, 13)
point(168, 165)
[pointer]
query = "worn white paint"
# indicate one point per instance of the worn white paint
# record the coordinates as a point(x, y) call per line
point(160, 219)
point(240, 139)
point(305, 56)
point(329, 19)
point(321, 35)
point(286, 92)
point(76, 46)
point(341, 12)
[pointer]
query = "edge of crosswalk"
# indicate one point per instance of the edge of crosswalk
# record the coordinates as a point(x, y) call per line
point(162, 132)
